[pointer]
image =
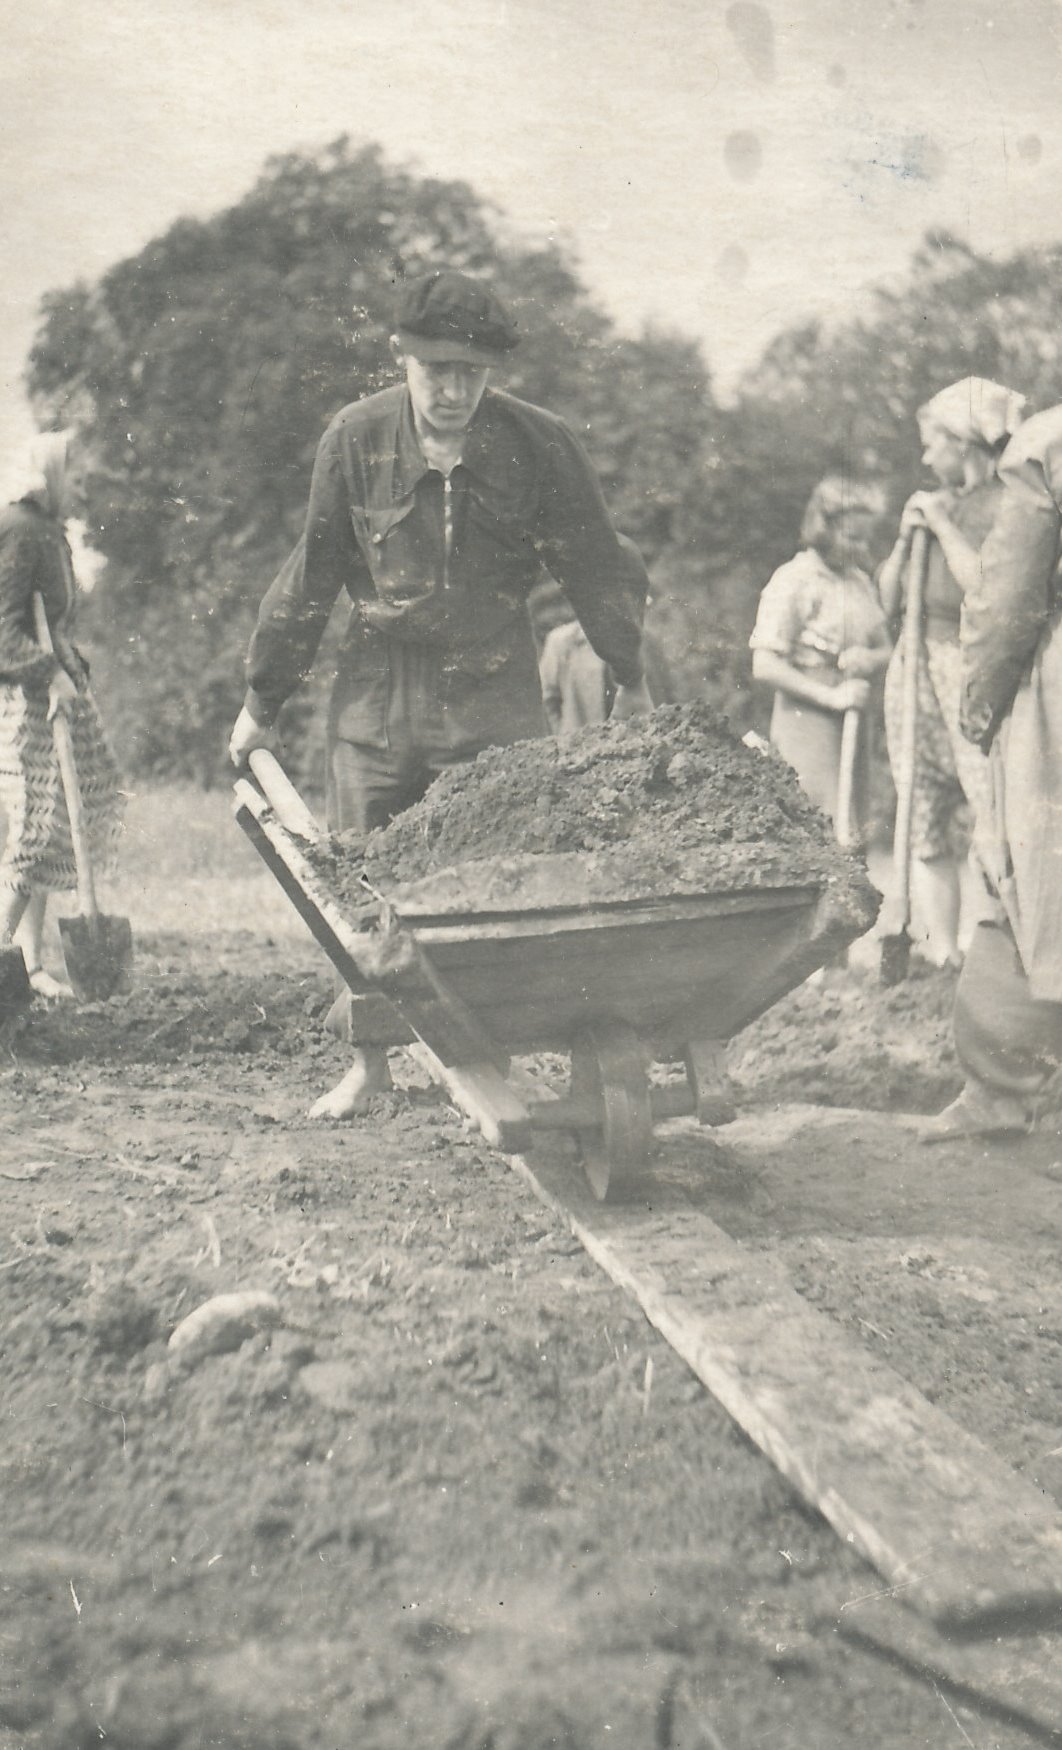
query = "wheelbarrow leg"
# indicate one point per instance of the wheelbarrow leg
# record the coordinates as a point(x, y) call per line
point(610, 1073)
point(709, 1080)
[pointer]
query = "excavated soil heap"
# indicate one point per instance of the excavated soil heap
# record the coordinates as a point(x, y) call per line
point(671, 803)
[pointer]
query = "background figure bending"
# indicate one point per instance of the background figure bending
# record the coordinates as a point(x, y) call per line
point(38, 856)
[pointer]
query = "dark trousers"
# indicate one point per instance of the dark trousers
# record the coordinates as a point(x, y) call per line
point(1004, 1036)
point(392, 731)
point(368, 786)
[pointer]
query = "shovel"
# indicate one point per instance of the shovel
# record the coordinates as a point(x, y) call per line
point(98, 950)
point(15, 989)
point(844, 825)
point(896, 912)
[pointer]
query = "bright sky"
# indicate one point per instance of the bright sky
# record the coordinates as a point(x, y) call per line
point(723, 168)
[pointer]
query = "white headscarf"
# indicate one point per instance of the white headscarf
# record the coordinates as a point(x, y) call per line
point(40, 473)
point(976, 410)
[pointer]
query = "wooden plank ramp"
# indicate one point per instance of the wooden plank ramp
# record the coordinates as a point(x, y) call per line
point(970, 1553)
point(1017, 1677)
point(955, 1532)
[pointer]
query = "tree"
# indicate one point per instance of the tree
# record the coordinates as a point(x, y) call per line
point(204, 369)
point(846, 398)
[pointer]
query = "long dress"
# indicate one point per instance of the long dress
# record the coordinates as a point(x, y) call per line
point(37, 849)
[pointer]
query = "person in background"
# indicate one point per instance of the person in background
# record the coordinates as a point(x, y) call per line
point(37, 857)
point(820, 639)
point(577, 688)
point(1008, 1002)
point(574, 679)
point(964, 430)
point(435, 506)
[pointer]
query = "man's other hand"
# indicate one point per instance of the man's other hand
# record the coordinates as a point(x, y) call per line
point(630, 702)
point(246, 736)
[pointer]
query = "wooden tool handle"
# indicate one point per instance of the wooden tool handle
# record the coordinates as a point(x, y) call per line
point(843, 823)
point(64, 753)
point(905, 775)
point(282, 796)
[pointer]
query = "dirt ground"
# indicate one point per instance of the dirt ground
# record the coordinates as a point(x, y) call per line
point(445, 1500)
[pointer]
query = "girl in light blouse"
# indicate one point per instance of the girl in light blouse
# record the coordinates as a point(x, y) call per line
point(820, 639)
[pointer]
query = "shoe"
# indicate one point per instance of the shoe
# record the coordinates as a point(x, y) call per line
point(977, 1111)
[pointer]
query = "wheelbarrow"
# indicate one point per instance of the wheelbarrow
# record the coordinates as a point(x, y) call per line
point(470, 974)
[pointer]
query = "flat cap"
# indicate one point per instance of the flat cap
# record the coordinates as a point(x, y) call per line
point(449, 315)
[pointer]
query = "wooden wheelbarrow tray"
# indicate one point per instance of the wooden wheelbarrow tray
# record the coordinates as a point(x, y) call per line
point(619, 984)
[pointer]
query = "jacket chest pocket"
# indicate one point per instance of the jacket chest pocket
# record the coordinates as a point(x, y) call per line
point(388, 541)
point(373, 523)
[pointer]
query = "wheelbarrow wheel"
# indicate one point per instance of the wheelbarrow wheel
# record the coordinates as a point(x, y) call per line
point(610, 1071)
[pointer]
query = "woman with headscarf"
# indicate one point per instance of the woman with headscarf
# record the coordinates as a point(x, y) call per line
point(37, 856)
point(964, 430)
point(1008, 1002)
point(820, 638)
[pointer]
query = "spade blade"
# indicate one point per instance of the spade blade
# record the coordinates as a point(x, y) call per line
point(98, 952)
point(895, 958)
point(15, 990)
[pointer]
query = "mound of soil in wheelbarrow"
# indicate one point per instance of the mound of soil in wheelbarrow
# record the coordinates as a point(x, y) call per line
point(672, 802)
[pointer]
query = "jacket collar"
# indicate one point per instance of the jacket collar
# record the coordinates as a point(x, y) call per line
point(476, 454)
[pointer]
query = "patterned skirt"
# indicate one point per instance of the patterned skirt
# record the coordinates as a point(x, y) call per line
point(37, 849)
point(952, 785)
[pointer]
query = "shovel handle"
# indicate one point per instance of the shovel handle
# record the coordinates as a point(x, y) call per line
point(843, 823)
point(905, 775)
point(64, 753)
point(282, 796)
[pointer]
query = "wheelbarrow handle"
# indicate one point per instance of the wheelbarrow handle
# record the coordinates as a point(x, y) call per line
point(282, 796)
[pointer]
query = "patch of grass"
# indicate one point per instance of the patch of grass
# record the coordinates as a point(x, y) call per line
point(185, 866)
point(177, 831)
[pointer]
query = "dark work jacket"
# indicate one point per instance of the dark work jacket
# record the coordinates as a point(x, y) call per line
point(34, 560)
point(445, 568)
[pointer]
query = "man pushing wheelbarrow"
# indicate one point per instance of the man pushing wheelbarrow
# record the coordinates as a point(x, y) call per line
point(435, 505)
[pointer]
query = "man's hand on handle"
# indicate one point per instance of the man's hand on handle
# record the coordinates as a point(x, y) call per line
point(630, 702)
point(246, 735)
